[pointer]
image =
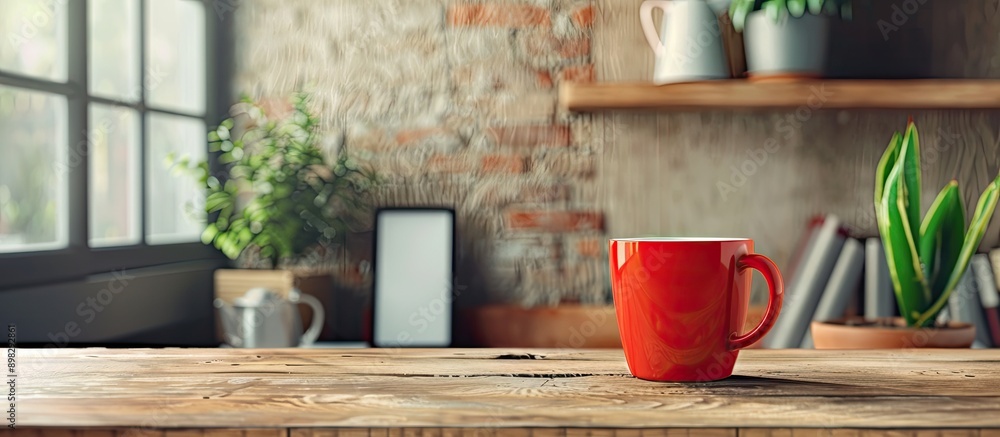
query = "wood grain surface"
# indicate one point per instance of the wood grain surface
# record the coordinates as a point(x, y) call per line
point(505, 432)
point(145, 432)
point(743, 94)
point(500, 389)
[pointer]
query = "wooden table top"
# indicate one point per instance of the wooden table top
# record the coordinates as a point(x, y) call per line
point(499, 389)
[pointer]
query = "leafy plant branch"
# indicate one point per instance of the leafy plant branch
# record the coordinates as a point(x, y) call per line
point(277, 194)
point(776, 9)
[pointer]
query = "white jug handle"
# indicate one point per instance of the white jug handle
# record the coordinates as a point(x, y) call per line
point(311, 334)
point(646, 17)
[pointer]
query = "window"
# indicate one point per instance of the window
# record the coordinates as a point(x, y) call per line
point(94, 97)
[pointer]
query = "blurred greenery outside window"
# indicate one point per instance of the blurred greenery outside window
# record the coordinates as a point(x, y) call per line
point(85, 139)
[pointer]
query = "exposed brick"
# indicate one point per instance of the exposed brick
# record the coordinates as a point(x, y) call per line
point(375, 102)
point(582, 281)
point(574, 48)
point(474, 44)
point(566, 165)
point(498, 14)
point(495, 75)
point(531, 136)
point(406, 163)
point(544, 194)
point(546, 45)
point(417, 193)
point(584, 17)
point(514, 250)
point(554, 221)
point(545, 79)
point(578, 73)
point(588, 191)
point(364, 137)
point(503, 164)
point(502, 192)
point(276, 108)
point(585, 135)
point(449, 164)
point(531, 107)
point(343, 20)
point(438, 137)
point(589, 247)
point(412, 136)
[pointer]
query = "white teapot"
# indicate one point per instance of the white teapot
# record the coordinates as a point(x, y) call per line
point(262, 319)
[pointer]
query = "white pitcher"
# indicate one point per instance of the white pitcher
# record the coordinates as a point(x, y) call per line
point(262, 319)
point(689, 47)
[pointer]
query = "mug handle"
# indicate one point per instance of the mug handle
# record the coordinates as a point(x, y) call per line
point(646, 17)
point(309, 337)
point(776, 287)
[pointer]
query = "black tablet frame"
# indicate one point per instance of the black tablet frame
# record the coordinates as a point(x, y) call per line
point(454, 257)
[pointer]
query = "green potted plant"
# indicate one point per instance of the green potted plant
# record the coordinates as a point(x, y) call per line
point(278, 205)
point(786, 39)
point(926, 258)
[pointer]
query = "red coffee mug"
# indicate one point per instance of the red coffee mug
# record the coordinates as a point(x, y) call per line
point(681, 304)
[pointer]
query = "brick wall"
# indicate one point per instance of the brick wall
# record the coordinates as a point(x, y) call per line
point(454, 103)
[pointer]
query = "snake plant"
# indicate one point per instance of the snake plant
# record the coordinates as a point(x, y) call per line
point(739, 9)
point(926, 258)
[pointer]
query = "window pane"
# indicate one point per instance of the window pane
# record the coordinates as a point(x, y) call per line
point(34, 38)
point(114, 48)
point(33, 167)
point(114, 176)
point(174, 202)
point(175, 55)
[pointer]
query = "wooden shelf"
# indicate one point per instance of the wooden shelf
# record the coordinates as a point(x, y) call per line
point(742, 94)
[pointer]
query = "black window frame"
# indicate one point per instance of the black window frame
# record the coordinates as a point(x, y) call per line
point(78, 260)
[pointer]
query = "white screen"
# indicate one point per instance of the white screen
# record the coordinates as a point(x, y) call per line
point(413, 272)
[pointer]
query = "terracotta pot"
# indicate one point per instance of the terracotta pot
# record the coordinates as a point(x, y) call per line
point(857, 333)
